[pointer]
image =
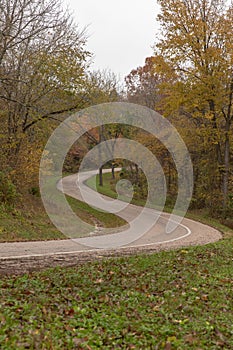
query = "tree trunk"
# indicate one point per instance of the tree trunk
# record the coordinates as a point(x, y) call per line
point(101, 176)
point(226, 168)
point(101, 133)
point(113, 171)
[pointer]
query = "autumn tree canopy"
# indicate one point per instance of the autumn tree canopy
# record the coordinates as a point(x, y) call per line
point(142, 84)
point(195, 54)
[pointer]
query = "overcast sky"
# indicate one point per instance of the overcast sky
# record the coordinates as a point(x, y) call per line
point(121, 33)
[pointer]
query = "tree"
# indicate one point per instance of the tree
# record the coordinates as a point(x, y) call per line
point(43, 65)
point(195, 54)
point(103, 87)
point(142, 85)
point(42, 60)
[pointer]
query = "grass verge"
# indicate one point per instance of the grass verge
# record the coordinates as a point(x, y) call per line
point(169, 300)
point(32, 223)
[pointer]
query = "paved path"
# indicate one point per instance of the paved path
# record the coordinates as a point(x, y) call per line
point(25, 255)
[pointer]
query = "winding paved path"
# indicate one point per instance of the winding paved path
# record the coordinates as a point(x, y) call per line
point(26, 256)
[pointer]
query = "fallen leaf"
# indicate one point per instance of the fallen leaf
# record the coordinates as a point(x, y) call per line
point(190, 338)
point(168, 346)
point(100, 280)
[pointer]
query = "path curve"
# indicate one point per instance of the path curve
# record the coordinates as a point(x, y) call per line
point(146, 226)
point(20, 257)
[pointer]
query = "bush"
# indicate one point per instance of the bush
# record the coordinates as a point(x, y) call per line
point(8, 192)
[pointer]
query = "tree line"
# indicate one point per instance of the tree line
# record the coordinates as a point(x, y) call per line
point(190, 80)
point(45, 76)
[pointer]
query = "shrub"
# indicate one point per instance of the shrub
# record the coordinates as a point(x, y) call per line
point(8, 192)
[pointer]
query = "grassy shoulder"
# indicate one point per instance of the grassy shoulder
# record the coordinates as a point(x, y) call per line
point(199, 215)
point(169, 300)
point(30, 222)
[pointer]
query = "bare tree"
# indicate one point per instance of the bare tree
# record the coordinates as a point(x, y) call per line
point(42, 63)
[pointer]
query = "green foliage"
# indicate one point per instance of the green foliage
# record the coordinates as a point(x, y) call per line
point(141, 302)
point(8, 192)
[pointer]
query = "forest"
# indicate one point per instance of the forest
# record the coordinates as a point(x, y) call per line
point(45, 77)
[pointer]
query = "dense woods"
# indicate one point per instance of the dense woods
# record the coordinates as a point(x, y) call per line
point(45, 76)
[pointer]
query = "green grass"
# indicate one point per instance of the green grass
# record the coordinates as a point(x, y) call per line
point(169, 300)
point(109, 186)
point(31, 224)
point(20, 225)
point(91, 215)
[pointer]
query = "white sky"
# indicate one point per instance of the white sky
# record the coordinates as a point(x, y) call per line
point(121, 33)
